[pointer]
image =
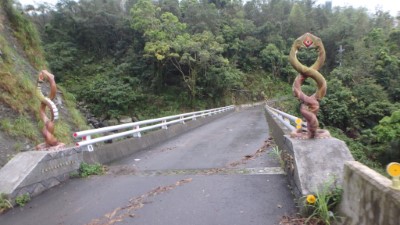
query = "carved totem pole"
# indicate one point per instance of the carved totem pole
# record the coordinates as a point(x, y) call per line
point(51, 142)
point(309, 104)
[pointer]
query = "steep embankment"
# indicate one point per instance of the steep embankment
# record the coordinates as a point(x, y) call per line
point(21, 59)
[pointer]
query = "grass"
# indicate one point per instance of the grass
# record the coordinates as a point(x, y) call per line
point(63, 131)
point(4, 203)
point(323, 208)
point(277, 154)
point(18, 93)
point(20, 127)
point(27, 35)
point(17, 87)
point(18, 147)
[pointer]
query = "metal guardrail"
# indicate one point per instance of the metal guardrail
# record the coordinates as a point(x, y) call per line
point(291, 122)
point(135, 128)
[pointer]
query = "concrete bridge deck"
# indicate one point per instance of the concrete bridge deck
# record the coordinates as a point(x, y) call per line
point(220, 173)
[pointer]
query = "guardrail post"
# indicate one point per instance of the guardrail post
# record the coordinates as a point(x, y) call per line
point(182, 122)
point(137, 134)
point(194, 117)
point(89, 147)
point(165, 127)
point(203, 115)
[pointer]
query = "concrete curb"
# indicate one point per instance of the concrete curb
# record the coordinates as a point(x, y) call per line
point(36, 171)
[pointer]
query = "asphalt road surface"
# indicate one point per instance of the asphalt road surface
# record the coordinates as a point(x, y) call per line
point(222, 173)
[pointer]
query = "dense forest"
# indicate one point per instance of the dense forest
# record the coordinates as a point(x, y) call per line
point(148, 58)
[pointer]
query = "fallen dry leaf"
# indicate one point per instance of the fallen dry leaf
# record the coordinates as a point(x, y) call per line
point(120, 213)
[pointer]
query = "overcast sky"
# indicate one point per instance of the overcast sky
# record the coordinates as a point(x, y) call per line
point(393, 6)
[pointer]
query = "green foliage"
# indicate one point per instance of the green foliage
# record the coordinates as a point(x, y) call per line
point(62, 56)
point(273, 59)
point(4, 203)
point(323, 210)
point(171, 56)
point(335, 107)
point(70, 101)
point(110, 96)
point(26, 33)
point(384, 139)
point(18, 92)
point(277, 154)
point(388, 128)
point(21, 200)
point(63, 132)
point(20, 127)
point(86, 169)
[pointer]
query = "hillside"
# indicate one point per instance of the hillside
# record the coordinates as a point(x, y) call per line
point(21, 59)
point(154, 58)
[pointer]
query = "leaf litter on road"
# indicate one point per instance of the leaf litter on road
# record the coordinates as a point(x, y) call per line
point(267, 143)
point(121, 213)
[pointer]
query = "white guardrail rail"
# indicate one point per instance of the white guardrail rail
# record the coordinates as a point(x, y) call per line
point(135, 128)
point(291, 122)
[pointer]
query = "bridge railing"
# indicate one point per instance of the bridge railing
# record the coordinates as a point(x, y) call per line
point(134, 129)
point(291, 122)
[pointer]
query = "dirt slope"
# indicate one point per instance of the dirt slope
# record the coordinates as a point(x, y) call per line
point(19, 122)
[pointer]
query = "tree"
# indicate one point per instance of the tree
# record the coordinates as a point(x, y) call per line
point(200, 16)
point(297, 21)
point(273, 59)
point(385, 138)
point(193, 55)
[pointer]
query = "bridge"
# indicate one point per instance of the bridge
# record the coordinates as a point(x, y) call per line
point(220, 173)
point(214, 167)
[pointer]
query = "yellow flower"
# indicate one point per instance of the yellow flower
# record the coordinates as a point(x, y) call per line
point(311, 199)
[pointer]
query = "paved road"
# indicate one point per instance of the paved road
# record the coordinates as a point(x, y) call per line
point(218, 174)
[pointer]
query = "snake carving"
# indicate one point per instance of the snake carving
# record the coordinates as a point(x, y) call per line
point(48, 129)
point(309, 104)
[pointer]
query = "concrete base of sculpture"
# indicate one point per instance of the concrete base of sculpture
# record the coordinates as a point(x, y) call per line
point(311, 163)
point(35, 171)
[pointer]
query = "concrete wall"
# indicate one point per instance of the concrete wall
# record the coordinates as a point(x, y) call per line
point(368, 198)
point(36, 171)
